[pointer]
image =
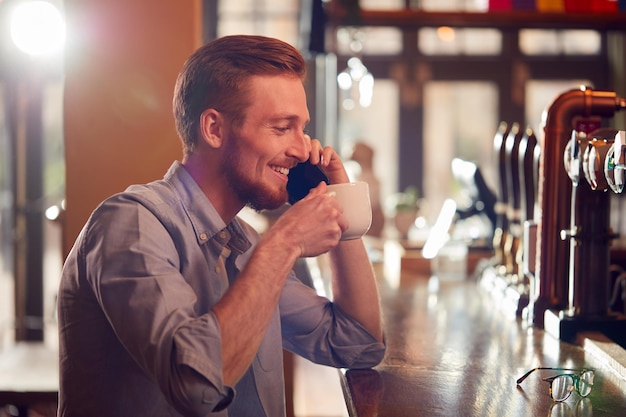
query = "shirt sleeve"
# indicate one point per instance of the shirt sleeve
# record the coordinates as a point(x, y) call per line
point(320, 331)
point(133, 266)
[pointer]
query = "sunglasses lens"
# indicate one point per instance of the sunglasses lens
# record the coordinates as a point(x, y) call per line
point(585, 383)
point(562, 387)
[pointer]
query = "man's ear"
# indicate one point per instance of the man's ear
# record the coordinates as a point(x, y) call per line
point(212, 127)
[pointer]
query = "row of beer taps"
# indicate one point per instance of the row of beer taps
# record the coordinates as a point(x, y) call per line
point(553, 237)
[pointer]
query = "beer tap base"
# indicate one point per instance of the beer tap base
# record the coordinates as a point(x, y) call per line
point(509, 292)
point(566, 328)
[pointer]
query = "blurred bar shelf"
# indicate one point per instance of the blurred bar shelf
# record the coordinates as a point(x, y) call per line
point(414, 19)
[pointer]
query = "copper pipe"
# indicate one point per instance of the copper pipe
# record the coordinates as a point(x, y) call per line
point(555, 189)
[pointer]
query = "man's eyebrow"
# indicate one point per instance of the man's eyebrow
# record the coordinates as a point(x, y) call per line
point(286, 118)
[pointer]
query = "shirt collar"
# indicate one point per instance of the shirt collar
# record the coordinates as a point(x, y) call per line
point(206, 222)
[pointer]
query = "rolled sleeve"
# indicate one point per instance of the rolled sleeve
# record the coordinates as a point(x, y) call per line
point(320, 331)
point(200, 382)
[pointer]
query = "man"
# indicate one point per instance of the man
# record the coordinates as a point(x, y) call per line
point(169, 304)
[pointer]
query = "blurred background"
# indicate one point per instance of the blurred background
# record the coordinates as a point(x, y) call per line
point(86, 89)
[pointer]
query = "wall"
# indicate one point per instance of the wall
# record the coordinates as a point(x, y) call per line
point(122, 60)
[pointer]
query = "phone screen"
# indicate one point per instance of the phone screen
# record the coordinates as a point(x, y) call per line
point(302, 178)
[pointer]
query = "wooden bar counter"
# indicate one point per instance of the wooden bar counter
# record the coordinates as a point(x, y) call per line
point(452, 352)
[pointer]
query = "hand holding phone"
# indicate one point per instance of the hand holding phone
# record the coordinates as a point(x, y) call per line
point(302, 178)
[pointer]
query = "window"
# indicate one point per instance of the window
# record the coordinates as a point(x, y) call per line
point(377, 126)
point(369, 41)
point(275, 18)
point(460, 119)
point(445, 40)
point(559, 42)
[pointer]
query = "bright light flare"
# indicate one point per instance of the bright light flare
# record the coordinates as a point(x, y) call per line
point(446, 34)
point(37, 28)
point(438, 235)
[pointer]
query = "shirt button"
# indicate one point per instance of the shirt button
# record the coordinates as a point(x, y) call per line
point(203, 236)
point(223, 234)
point(218, 269)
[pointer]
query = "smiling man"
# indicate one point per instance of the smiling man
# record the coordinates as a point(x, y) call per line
point(171, 305)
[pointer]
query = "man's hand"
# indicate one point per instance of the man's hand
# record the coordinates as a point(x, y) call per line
point(314, 224)
point(329, 161)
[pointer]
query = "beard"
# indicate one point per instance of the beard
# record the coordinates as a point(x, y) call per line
point(246, 185)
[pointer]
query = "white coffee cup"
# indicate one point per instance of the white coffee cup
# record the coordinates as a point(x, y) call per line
point(354, 197)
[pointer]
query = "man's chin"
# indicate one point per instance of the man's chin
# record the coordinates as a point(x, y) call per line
point(268, 202)
point(265, 208)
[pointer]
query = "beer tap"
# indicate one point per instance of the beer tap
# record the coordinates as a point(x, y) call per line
point(581, 110)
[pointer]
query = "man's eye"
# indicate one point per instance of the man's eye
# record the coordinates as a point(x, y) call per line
point(281, 129)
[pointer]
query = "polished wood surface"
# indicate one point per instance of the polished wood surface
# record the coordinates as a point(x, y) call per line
point(452, 351)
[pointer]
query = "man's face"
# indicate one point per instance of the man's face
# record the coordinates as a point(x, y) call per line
point(270, 141)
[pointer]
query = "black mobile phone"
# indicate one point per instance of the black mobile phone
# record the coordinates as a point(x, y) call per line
point(302, 178)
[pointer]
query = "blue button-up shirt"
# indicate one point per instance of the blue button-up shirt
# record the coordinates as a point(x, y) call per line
point(137, 336)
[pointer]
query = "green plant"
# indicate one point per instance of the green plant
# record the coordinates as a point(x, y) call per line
point(407, 200)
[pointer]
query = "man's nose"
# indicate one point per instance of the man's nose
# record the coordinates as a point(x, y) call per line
point(300, 147)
